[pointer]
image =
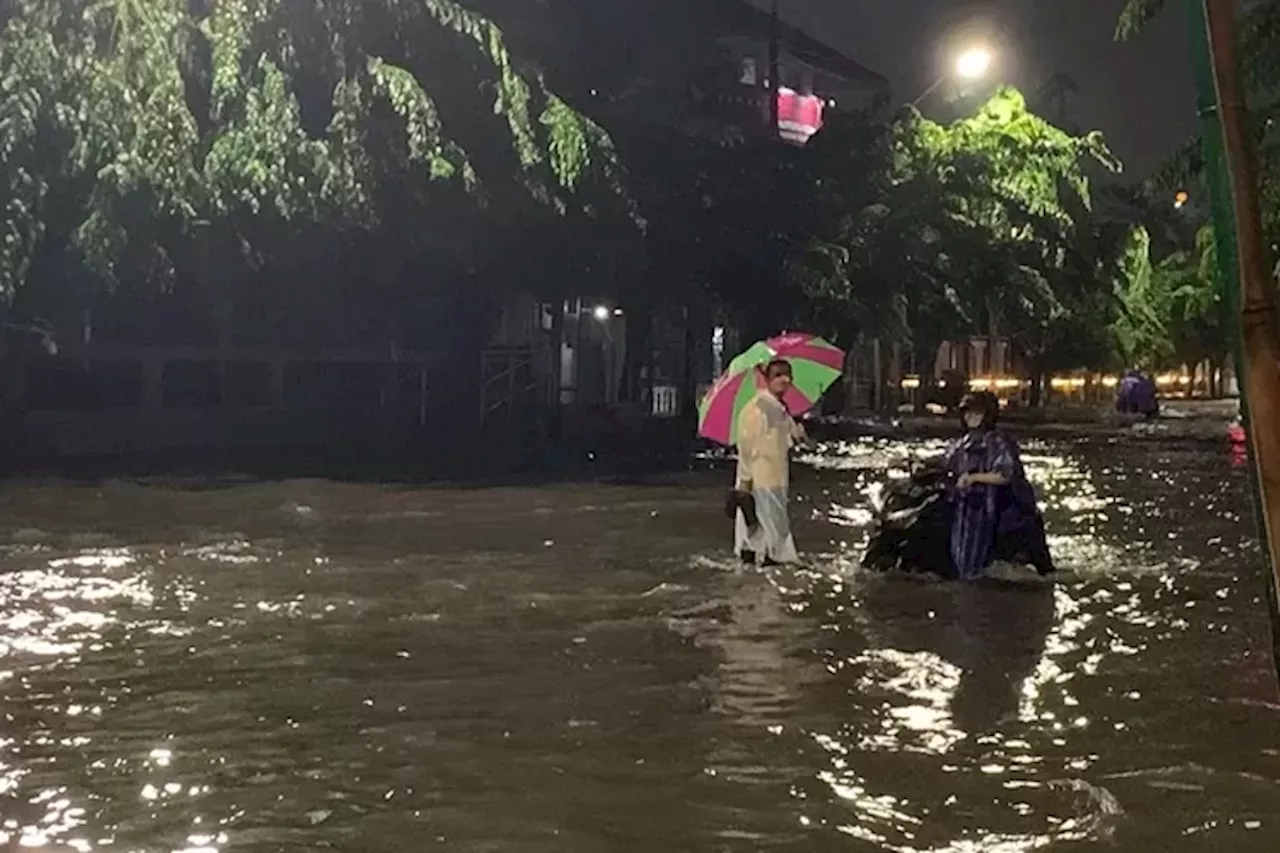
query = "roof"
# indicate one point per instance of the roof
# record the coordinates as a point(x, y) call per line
point(754, 21)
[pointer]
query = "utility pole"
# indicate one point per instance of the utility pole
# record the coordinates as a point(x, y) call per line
point(774, 84)
point(1242, 251)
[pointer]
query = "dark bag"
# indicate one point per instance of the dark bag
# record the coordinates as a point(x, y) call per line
point(736, 501)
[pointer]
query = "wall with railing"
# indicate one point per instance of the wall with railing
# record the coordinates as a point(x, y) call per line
point(113, 399)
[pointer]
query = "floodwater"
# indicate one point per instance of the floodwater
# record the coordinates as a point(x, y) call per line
point(306, 666)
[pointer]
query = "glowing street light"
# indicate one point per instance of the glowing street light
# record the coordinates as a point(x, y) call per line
point(972, 64)
point(1180, 198)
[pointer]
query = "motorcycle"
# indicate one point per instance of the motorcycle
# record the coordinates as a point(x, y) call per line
point(913, 526)
point(912, 529)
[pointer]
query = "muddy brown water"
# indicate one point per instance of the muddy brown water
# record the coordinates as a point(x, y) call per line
point(243, 666)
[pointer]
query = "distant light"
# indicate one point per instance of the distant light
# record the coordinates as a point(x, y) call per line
point(1180, 198)
point(973, 63)
point(617, 312)
point(601, 312)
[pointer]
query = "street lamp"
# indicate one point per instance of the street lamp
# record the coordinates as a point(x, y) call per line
point(972, 64)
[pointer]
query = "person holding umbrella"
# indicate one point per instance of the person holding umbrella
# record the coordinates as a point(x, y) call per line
point(753, 407)
point(766, 434)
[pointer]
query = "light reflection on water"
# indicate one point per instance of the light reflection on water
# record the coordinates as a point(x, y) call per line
point(1005, 693)
point(579, 667)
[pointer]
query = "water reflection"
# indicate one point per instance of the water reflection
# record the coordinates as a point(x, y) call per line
point(1000, 683)
point(582, 668)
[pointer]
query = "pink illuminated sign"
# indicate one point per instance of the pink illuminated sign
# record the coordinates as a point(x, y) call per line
point(799, 116)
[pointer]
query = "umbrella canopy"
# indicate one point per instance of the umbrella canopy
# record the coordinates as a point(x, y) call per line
point(815, 365)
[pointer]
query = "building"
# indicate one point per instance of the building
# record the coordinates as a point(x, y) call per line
point(813, 78)
point(606, 357)
point(146, 375)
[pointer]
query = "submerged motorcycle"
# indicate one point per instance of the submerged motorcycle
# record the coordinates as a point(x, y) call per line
point(913, 525)
point(913, 528)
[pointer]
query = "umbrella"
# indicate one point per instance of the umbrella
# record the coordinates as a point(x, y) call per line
point(815, 365)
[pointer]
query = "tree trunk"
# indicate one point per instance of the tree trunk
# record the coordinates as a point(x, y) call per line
point(219, 294)
point(650, 366)
point(637, 325)
point(1037, 386)
point(555, 424)
point(13, 375)
point(993, 344)
point(20, 344)
point(893, 387)
point(877, 376)
point(850, 380)
point(925, 357)
point(688, 399)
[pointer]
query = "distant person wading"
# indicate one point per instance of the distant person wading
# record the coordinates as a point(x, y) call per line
point(766, 434)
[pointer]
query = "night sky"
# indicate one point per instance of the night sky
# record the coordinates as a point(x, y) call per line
point(1139, 93)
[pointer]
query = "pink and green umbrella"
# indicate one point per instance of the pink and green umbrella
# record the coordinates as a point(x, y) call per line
point(815, 366)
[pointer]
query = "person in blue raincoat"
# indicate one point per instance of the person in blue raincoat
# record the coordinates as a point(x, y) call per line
point(995, 515)
point(1137, 394)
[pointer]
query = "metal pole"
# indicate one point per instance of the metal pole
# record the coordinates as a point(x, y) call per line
point(927, 92)
point(774, 83)
point(1243, 268)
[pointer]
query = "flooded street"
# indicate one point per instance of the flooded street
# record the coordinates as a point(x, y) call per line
point(305, 666)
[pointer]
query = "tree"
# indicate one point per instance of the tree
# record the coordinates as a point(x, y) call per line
point(984, 225)
point(1142, 329)
point(1260, 63)
point(202, 137)
point(1136, 15)
point(1199, 327)
point(1173, 313)
point(295, 170)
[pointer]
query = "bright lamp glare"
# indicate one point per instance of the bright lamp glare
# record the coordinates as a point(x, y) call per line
point(601, 313)
point(973, 63)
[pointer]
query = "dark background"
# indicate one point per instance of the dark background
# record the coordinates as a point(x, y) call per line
point(1139, 93)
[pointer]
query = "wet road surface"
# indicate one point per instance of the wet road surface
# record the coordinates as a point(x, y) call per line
point(194, 666)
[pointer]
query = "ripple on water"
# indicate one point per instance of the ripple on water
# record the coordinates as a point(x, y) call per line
point(415, 665)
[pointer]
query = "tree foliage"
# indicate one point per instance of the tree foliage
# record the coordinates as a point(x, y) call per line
point(1172, 306)
point(1180, 294)
point(168, 137)
point(214, 143)
point(1135, 16)
point(1259, 53)
point(978, 226)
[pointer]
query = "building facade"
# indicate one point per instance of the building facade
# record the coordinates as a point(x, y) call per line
point(133, 388)
point(814, 79)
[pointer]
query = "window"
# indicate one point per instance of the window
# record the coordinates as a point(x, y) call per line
point(748, 76)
